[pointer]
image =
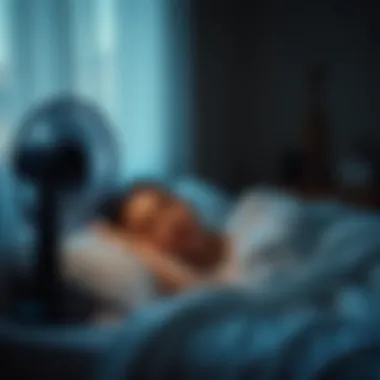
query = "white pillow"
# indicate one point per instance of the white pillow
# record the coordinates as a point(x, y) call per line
point(106, 271)
point(261, 220)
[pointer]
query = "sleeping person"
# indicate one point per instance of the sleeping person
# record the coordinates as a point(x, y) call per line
point(171, 241)
point(154, 245)
point(261, 241)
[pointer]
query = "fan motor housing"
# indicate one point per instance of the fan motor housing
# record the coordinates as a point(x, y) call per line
point(64, 166)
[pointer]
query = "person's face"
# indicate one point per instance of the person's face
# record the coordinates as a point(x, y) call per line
point(178, 230)
point(142, 212)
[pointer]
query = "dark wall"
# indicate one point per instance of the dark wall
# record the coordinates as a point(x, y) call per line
point(222, 90)
point(250, 69)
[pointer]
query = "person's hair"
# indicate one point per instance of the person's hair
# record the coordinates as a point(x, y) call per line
point(112, 206)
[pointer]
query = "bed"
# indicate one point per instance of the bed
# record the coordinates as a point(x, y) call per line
point(283, 245)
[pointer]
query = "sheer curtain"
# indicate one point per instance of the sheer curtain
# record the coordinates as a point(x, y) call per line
point(129, 57)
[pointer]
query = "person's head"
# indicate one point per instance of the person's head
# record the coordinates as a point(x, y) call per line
point(149, 213)
point(179, 230)
point(152, 213)
point(142, 207)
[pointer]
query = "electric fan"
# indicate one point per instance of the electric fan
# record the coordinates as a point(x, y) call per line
point(65, 153)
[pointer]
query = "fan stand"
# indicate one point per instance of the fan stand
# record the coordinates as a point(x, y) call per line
point(41, 302)
point(52, 171)
point(48, 283)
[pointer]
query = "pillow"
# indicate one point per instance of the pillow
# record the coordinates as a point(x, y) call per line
point(262, 219)
point(115, 278)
